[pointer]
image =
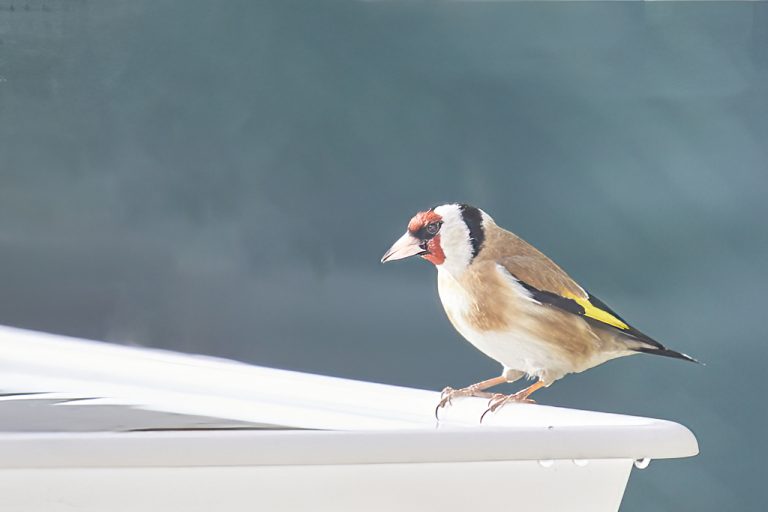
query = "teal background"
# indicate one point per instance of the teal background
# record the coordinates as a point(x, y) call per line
point(223, 177)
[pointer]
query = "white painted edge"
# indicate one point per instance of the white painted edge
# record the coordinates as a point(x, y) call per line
point(279, 448)
point(365, 422)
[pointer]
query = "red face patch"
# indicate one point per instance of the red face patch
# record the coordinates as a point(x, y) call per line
point(418, 228)
point(436, 255)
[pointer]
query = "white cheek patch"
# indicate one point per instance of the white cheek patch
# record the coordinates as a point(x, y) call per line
point(454, 239)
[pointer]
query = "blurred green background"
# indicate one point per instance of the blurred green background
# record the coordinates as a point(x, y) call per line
point(223, 177)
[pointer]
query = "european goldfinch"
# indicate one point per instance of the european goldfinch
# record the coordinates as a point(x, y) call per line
point(514, 304)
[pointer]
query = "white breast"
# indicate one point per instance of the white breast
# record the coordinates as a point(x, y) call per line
point(516, 347)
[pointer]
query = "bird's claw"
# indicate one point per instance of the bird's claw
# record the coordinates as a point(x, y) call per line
point(499, 400)
point(448, 394)
point(445, 399)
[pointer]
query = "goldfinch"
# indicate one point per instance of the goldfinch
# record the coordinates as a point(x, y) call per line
point(514, 304)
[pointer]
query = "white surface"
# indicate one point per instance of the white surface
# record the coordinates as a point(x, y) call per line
point(227, 390)
point(490, 486)
point(237, 448)
point(352, 445)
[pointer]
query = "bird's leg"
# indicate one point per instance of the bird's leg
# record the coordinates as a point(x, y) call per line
point(499, 400)
point(448, 394)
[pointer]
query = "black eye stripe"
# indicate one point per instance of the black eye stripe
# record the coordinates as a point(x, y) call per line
point(423, 235)
point(429, 231)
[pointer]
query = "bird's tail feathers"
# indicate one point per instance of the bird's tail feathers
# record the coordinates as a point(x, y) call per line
point(663, 351)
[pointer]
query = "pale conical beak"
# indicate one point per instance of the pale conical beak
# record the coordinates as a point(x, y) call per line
point(407, 245)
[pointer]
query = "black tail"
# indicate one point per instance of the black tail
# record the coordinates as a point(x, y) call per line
point(667, 353)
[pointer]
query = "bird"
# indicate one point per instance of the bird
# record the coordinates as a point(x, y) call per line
point(515, 304)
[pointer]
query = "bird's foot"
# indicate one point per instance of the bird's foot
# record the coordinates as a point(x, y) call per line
point(499, 400)
point(448, 394)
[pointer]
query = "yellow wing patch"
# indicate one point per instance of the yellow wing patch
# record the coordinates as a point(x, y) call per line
point(596, 313)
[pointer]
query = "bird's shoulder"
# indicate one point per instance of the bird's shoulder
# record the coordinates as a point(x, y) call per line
point(527, 264)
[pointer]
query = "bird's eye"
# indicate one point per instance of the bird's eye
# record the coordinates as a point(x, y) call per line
point(433, 227)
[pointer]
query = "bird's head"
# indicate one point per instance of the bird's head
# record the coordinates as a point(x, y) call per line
point(449, 236)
